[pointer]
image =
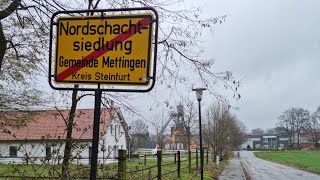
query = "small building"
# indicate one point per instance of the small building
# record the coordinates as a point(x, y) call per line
point(266, 141)
point(307, 139)
point(43, 137)
point(178, 138)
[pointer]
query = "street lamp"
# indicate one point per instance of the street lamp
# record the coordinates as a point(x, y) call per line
point(199, 97)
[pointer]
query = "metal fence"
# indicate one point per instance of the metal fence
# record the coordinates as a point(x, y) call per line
point(148, 166)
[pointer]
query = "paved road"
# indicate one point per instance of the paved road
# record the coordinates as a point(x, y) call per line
point(249, 167)
point(233, 171)
point(259, 169)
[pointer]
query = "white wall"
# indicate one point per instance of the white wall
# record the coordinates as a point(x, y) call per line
point(114, 141)
point(249, 142)
point(36, 151)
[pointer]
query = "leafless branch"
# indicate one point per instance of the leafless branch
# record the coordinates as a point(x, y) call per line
point(64, 119)
point(14, 47)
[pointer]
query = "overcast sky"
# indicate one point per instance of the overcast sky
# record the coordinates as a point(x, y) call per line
point(272, 46)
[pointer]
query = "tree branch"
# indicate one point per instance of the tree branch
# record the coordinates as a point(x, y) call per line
point(15, 49)
point(3, 45)
point(64, 119)
point(80, 97)
point(10, 9)
point(96, 5)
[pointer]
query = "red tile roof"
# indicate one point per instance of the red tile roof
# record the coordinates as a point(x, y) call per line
point(49, 124)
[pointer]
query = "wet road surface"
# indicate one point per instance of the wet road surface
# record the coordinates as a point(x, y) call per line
point(258, 169)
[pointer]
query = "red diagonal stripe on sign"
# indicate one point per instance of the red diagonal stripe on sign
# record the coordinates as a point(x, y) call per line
point(96, 54)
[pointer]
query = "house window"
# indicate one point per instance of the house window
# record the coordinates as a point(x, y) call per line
point(180, 146)
point(111, 129)
point(48, 151)
point(115, 151)
point(109, 150)
point(90, 152)
point(13, 151)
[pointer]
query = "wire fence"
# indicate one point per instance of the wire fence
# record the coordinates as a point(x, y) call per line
point(159, 166)
point(167, 166)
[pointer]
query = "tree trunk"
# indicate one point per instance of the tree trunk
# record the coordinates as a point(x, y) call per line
point(3, 14)
point(69, 140)
point(3, 45)
point(298, 134)
point(292, 136)
point(298, 140)
point(70, 123)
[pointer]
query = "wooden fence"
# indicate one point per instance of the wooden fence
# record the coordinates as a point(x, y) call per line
point(167, 164)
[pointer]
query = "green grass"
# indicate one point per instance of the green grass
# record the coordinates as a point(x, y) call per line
point(306, 160)
point(133, 170)
point(210, 170)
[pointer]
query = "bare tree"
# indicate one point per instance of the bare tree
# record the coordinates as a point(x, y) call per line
point(179, 33)
point(223, 131)
point(139, 134)
point(159, 125)
point(287, 121)
point(189, 120)
point(294, 120)
point(313, 127)
point(302, 117)
point(270, 131)
point(20, 55)
point(280, 130)
point(257, 131)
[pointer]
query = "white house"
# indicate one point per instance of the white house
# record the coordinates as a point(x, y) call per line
point(43, 138)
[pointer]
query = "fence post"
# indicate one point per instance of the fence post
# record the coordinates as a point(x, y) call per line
point(122, 164)
point(145, 159)
point(207, 157)
point(149, 174)
point(179, 163)
point(189, 158)
point(175, 158)
point(159, 158)
point(217, 160)
point(197, 164)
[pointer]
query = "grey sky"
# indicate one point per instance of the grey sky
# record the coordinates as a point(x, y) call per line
point(274, 46)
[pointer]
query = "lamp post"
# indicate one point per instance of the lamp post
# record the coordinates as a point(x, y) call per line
point(199, 97)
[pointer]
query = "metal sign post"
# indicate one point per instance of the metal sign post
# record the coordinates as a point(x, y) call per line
point(95, 137)
point(115, 50)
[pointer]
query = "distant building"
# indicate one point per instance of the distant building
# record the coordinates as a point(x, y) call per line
point(178, 139)
point(44, 136)
point(266, 141)
point(307, 139)
point(142, 140)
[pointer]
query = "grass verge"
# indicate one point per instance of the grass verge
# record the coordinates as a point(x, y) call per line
point(169, 170)
point(305, 160)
